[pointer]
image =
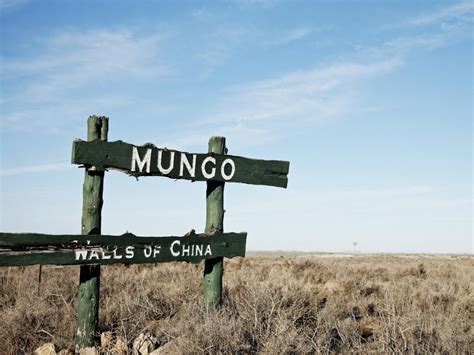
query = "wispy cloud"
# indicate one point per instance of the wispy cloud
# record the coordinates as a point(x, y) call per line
point(87, 62)
point(291, 35)
point(326, 91)
point(402, 46)
point(56, 117)
point(383, 193)
point(428, 31)
point(30, 169)
point(202, 14)
point(304, 94)
point(73, 59)
point(219, 47)
point(88, 65)
point(241, 135)
point(261, 3)
point(460, 12)
point(259, 113)
point(319, 92)
point(7, 5)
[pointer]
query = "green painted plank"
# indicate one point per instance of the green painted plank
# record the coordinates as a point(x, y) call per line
point(149, 160)
point(30, 249)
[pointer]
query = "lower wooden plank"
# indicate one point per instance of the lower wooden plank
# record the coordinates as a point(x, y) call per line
point(31, 249)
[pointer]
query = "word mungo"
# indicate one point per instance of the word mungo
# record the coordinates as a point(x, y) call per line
point(208, 166)
point(176, 249)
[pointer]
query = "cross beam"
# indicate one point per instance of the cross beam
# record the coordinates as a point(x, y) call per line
point(20, 249)
point(149, 160)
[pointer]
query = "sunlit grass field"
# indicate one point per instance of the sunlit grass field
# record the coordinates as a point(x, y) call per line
point(272, 303)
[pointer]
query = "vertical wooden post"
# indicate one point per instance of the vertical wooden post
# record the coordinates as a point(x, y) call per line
point(214, 268)
point(40, 269)
point(89, 283)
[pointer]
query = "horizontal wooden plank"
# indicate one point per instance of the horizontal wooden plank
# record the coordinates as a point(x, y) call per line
point(18, 249)
point(149, 160)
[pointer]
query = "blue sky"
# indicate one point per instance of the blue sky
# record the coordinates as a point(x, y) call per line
point(370, 101)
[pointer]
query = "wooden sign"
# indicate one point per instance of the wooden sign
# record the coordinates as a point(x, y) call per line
point(149, 160)
point(29, 249)
point(90, 249)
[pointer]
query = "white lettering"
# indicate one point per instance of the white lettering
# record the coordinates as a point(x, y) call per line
point(81, 254)
point(105, 256)
point(93, 254)
point(199, 250)
point(231, 174)
point(147, 251)
point(160, 165)
point(208, 250)
point(175, 253)
point(129, 253)
point(213, 170)
point(116, 256)
point(185, 161)
point(141, 163)
point(156, 250)
point(185, 250)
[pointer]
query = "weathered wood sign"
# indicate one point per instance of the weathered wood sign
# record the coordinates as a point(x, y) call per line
point(150, 160)
point(91, 249)
point(45, 249)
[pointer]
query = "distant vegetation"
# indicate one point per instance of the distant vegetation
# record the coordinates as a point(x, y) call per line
point(271, 304)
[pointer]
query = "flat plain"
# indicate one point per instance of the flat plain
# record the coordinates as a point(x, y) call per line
point(272, 303)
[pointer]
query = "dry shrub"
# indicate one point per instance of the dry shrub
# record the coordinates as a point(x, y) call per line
point(270, 304)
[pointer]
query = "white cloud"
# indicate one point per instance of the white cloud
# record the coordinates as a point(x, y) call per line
point(429, 31)
point(202, 14)
point(59, 116)
point(328, 91)
point(70, 71)
point(29, 169)
point(248, 3)
point(401, 45)
point(77, 62)
point(243, 112)
point(6, 5)
point(460, 12)
point(292, 35)
point(219, 46)
point(238, 134)
point(73, 59)
point(383, 193)
point(303, 94)
point(323, 92)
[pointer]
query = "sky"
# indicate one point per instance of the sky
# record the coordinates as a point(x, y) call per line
point(370, 101)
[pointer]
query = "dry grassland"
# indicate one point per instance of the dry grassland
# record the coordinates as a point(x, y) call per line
point(272, 304)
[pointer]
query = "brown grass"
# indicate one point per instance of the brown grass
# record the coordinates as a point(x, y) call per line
point(271, 304)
